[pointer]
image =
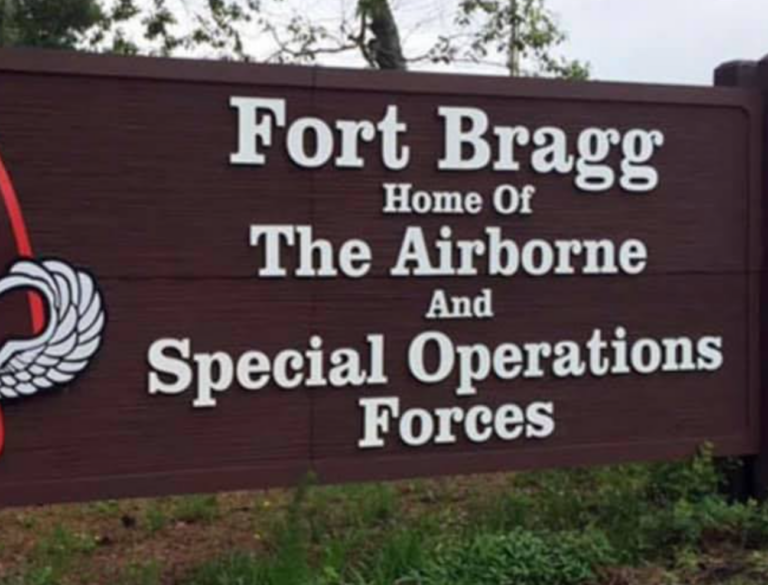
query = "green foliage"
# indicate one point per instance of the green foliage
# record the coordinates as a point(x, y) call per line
point(155, 518)
point(169, 27)
point(35, 576)
point(550, 528)
point(106, 508)
point(54, 555)
point(522, 36)
point(52, 24)
point(287, 565)
point(522, 557)
point(141, 574)
point(567, 527)
point(191, 509)
point(235, 569)
point(695, 480)
point(526, 32)
point(655, 511)
point(402, 555)
point(58, 547)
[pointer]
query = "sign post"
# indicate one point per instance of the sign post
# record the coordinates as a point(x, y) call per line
point(240, 274)
point(753, 478)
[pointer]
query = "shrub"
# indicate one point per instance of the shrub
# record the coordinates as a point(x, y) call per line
point(522, 557)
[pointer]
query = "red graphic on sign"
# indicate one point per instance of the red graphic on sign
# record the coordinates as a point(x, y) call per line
point(24, 250)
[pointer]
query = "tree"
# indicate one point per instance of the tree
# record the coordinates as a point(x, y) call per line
point(58, 24)
point(384, 49)
point(521, 36)
point(522, 30)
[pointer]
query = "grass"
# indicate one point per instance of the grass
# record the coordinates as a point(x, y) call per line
point(204, 509)
point(554, 528)
point(55, 554)
point(658, 524)
point(141, 574)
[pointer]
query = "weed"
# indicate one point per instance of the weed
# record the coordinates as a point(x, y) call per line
point(234, 569)
point(287, 565)
point(192, 509)
point(155, 518)
point(106, 509)
point(375, 504)
point(401, 556)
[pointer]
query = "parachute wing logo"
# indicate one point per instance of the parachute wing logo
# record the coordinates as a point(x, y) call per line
point(75, 324)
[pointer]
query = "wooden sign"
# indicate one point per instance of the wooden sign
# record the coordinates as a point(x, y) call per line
point(224, 276)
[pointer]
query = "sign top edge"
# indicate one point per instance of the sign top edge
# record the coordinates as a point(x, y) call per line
point(58, 62)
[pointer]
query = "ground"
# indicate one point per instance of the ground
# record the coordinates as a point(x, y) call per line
point(634, 525)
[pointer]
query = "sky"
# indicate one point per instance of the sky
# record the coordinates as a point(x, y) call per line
point(666, 41)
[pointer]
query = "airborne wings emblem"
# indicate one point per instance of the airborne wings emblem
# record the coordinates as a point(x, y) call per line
point(72, 335)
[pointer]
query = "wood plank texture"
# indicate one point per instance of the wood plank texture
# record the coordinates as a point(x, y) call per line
point(121, 166)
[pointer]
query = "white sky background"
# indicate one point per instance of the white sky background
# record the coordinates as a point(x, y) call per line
point(658, 41)
point(666, 41)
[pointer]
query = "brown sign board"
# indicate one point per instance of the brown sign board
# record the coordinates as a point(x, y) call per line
point(266, 271)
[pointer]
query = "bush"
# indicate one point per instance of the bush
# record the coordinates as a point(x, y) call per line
point(522, 557)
